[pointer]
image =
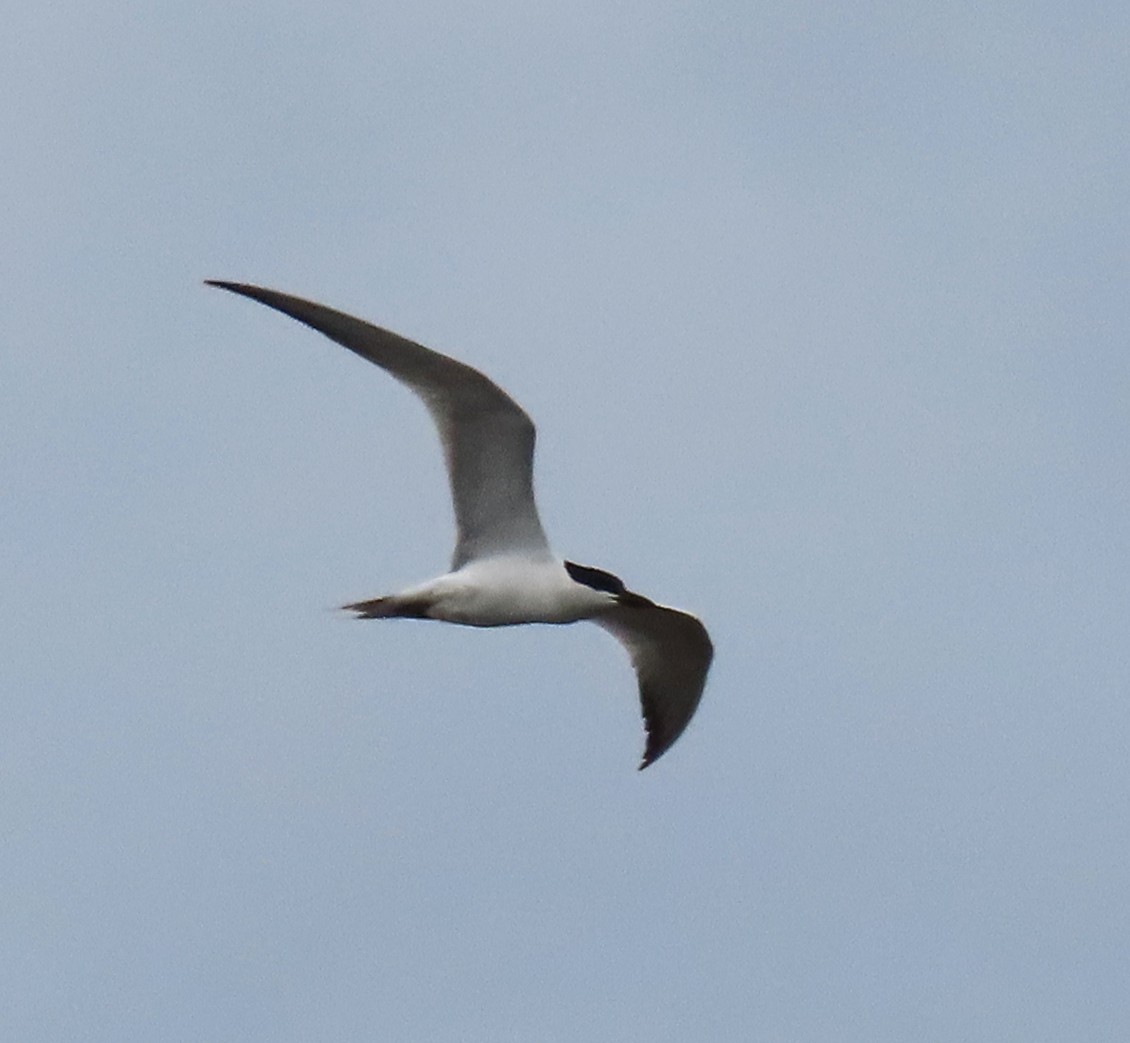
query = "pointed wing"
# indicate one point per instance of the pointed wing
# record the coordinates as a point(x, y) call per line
point(671, 654)
point(487, 438)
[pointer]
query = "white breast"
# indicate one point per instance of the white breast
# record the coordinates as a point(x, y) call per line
point(502, 591)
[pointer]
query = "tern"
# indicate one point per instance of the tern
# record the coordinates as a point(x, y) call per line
point(503, 572)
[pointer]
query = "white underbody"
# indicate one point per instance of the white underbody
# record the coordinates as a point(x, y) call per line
point(505, 590)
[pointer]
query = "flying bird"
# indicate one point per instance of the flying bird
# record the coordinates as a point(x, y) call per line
point(503, 571)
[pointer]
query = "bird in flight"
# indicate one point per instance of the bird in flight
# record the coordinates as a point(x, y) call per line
point(502, 571)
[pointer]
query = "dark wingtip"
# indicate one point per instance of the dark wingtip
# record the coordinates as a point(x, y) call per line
point(650, 756)
point(653, 748)
point(272, 298)
point(660, 737)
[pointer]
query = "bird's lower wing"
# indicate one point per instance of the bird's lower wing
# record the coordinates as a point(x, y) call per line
point(671, 653)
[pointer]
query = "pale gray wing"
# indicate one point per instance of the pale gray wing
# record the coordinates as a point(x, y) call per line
point(671, 653)
point(488, 440)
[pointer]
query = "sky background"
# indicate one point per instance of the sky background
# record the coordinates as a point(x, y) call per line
point(822, 312)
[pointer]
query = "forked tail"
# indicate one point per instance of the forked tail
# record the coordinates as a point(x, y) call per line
point(391, 606)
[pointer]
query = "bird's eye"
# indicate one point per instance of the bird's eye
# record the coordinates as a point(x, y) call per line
point(598, 579)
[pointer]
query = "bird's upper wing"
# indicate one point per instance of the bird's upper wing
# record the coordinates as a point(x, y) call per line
point(671, 653)
point(488, 440)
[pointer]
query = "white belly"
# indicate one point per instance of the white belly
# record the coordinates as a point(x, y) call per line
point(505, 591)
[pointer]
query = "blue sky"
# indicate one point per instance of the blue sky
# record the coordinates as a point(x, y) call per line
point(821, 313)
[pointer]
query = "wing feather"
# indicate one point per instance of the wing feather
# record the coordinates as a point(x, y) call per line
point(488, 439)
point(671, 653)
